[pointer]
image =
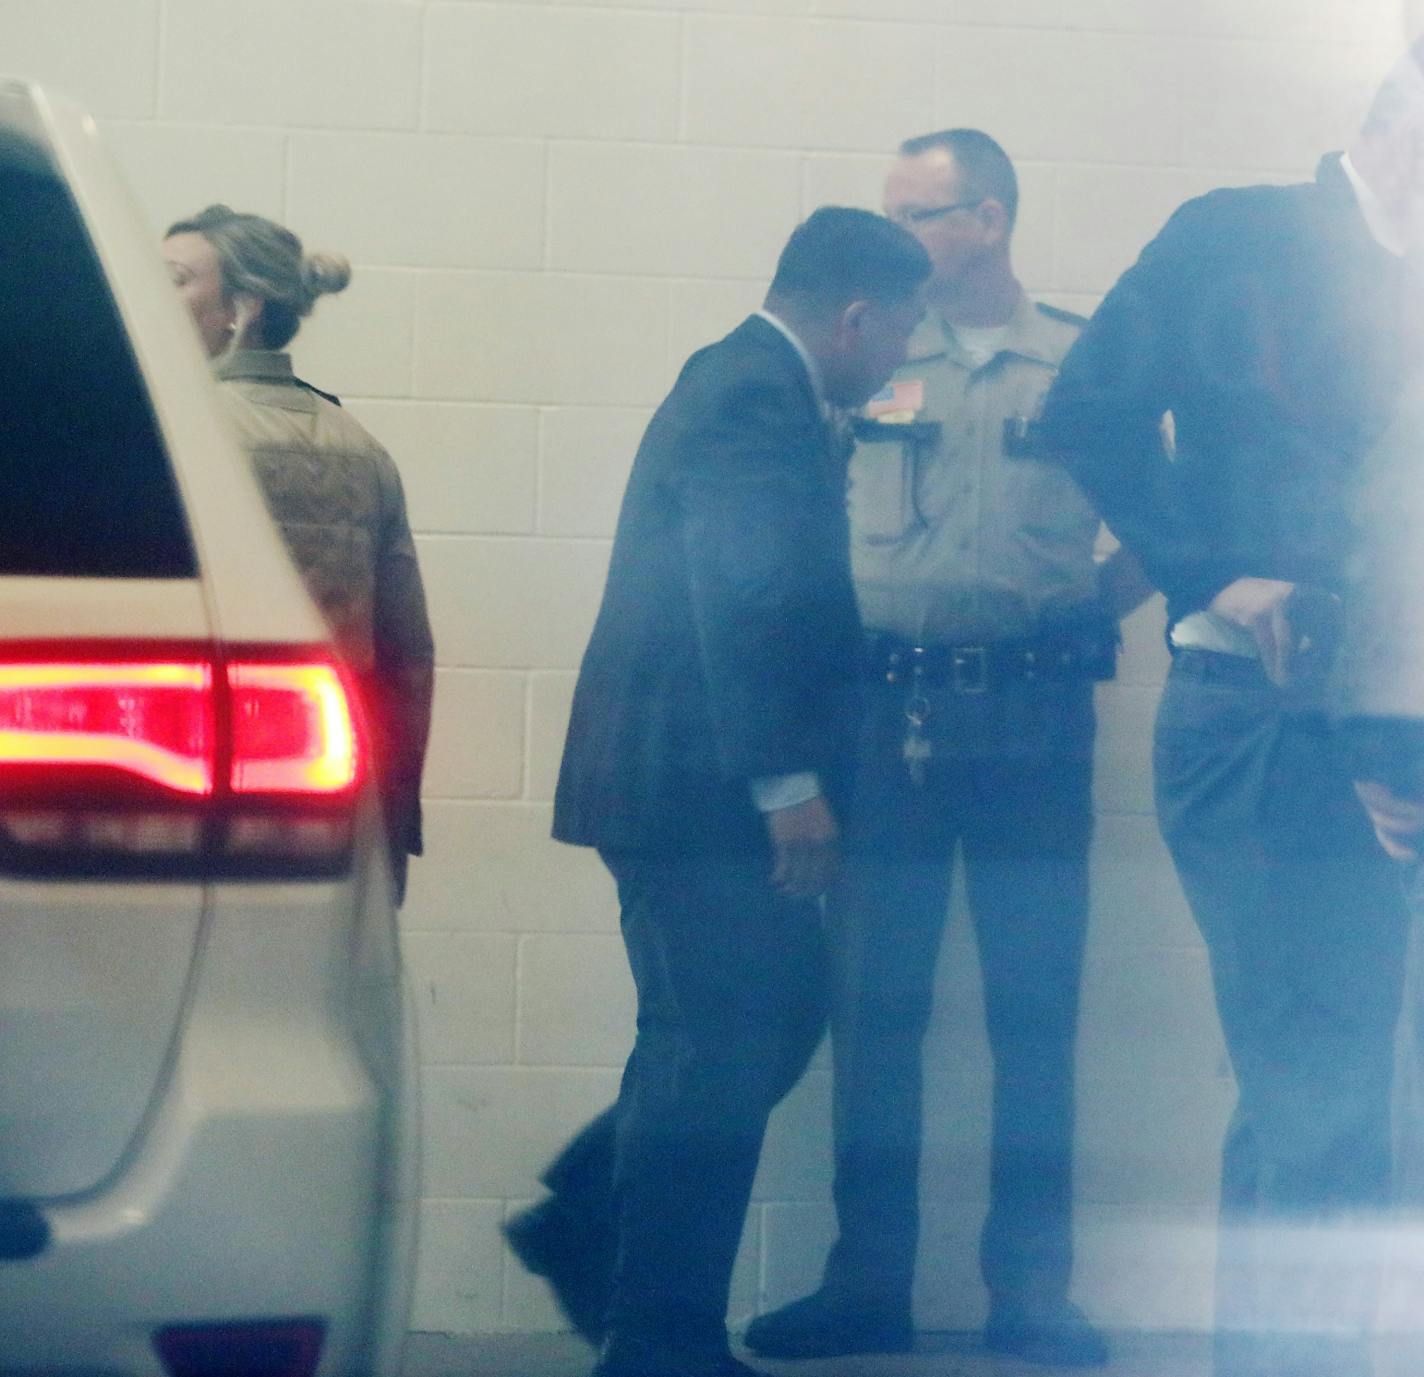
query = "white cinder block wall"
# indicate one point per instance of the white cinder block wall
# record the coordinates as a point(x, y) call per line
point(549, 205)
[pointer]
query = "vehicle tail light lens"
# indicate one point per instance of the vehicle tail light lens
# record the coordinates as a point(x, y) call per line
point(293, 730)
point(154, 721)
point(245, 759)
point(258, 1348)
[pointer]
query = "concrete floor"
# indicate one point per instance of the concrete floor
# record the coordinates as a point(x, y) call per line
point(939, 1355)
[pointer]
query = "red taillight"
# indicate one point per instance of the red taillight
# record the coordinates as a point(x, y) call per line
point(154, 721)
point(241, 758)
point(257, 1348)
point(293, 730)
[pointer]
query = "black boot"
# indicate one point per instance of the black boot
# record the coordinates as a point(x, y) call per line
point(573, 1256)
point(1054, 1333)
point(819, 1326)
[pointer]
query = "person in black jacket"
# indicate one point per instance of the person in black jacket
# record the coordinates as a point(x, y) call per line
point(707, 756)
point(1219, 408)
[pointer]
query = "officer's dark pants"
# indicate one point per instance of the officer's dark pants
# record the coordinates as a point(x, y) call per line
point(731, 987)
point(1024, 825)
point(1304, 923)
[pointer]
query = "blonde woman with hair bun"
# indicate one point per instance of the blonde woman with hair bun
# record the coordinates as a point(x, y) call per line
point(331, 488)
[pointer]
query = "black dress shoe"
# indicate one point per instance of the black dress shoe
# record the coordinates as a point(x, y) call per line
point(675, 1367)
point(1054, 1333)
point(575, 1258)
point(818, 1327)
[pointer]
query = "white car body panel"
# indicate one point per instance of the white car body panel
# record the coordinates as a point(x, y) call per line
point(82, 609)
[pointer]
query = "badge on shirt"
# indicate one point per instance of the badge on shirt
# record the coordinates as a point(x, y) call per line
point(898, 403)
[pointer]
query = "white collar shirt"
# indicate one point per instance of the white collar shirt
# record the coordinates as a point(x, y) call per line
point(1385, 232)
point(813, 370)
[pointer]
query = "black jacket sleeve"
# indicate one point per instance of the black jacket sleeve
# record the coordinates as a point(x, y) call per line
point(1104, 416)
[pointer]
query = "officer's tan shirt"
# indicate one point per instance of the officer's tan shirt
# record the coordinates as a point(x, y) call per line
point(960, 542)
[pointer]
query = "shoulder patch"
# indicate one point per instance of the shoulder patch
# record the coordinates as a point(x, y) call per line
point(1058, 313)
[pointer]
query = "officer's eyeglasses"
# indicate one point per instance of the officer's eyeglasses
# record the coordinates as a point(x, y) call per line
point(924, 215)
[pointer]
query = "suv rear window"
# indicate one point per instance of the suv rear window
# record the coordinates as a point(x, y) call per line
point(85, 484)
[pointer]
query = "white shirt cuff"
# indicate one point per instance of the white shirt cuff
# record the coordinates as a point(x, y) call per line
point(771, 793)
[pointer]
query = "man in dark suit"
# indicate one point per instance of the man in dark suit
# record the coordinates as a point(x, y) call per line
point(706, 759)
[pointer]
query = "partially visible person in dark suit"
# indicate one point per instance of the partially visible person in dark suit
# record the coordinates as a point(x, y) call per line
point(707, 756)
point(1277, 326)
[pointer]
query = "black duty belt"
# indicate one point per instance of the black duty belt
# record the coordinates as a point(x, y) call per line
point(1090, 653)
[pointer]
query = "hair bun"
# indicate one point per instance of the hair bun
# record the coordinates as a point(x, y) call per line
point(323, 273)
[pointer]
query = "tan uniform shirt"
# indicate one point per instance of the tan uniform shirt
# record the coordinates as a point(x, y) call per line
point(967, 538)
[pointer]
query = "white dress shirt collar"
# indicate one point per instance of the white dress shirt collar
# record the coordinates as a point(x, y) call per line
point(812, 370)
point(1385, 232)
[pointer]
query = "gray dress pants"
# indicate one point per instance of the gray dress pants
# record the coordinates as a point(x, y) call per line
point(1305, 924)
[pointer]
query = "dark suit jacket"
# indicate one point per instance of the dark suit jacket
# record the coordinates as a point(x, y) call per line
point(727, 645)
point(1274, 328)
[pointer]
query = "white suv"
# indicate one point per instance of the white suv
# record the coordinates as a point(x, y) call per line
point(207, 1142)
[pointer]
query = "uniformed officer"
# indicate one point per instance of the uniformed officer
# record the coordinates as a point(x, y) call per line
point(988, 620)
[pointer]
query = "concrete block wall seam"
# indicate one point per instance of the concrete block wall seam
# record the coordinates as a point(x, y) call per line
point(684, 61)
point(246, 168)
point(423, 200)
point(546, 236)
point(423, 118)
point(585, 455)
point(483, 710)
point(563, 973)
point(806, 84)
point(551, 699)
point(467, 468)
point(111, 70)
point(294, 61)
point(460, 1277)
point(629, 93)
point(568, 337)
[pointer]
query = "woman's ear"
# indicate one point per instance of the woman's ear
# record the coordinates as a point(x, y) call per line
point(246, 314)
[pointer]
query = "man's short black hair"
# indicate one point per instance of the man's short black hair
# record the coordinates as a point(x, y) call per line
point(983, 165)
point(839, 255)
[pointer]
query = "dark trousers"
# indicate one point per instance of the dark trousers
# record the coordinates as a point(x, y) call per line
point(1305, 924)
point(731, 988)
point(1024, 827)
